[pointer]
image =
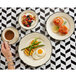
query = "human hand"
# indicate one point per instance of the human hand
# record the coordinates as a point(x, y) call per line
point(5, 49)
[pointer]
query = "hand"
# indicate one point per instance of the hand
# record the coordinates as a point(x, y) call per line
point(5, 49)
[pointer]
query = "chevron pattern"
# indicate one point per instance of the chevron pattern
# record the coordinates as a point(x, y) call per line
point(63, 52)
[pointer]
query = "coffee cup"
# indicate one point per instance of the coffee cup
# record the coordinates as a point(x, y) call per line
point(10, 35)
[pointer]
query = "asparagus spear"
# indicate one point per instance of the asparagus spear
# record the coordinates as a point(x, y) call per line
point(33, 44)
point(37, 46)
point(30, 50)
point(23, 49)
point(34, 41)
point(30, 45)
point(37, 43)
point(33, 47)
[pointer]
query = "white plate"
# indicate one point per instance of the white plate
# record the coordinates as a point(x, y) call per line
point(28, 59)
point(58, 36)
point(33, 24)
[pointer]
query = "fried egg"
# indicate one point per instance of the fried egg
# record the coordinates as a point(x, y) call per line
point(38, 54)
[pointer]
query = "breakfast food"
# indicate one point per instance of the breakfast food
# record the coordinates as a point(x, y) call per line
point(63, 29)
point(27, 20)
point(59, 26)
point(58, 21)
point(31, 49)
point(55, 29)
point(38, 54)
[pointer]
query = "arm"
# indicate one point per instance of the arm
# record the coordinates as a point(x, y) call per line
point(10, 63)
point(5, 49)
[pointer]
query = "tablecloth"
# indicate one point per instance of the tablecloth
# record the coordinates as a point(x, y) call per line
point(63, 53)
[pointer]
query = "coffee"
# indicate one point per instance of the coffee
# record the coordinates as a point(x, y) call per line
point(9, 35)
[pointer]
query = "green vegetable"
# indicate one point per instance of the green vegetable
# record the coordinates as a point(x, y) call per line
point(38, 46)
point(37, 43)
point(30, 47)
point(64, 22)
point(23, 49)
point(57, 28)
point(33, 47)
point(30, 50)
point(34, 41)
point(33, 44)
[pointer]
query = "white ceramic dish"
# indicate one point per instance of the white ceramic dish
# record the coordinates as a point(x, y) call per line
point(57, 36)
point(16, 35)
point(33, 24)
point(28, 59)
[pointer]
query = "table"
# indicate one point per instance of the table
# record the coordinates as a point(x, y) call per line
point(63, 53)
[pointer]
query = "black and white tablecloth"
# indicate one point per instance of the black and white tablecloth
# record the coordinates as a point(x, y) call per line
point(63, 53)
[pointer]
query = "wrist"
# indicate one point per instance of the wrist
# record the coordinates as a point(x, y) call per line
point(10, 64)
point(9, 59)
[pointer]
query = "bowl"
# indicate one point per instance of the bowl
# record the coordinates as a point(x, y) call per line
point(28, 12)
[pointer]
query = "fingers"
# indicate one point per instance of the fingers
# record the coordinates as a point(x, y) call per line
point(2, 48)
point(6, 45)
point(5, 49)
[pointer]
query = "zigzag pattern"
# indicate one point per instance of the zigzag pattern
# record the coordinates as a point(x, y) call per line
point(63, 52)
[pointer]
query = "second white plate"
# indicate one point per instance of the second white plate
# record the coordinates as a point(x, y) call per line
point(57, 36)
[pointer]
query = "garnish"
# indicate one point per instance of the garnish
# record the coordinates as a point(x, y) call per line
point(64, 22)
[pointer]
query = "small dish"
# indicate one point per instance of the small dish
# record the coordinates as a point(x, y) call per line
point(34, 22)
point(28, 59)
point(10, 35)
point(49, 25)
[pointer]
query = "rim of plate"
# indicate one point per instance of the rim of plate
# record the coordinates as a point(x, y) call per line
point(26, 28)
point(41, 64)
point(63, 13)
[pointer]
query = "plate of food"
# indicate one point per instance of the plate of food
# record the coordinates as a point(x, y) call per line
point(28, 19)
point(60, 26)
point(35, 49)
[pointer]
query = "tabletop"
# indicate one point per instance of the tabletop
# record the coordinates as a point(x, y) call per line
point(63, 53)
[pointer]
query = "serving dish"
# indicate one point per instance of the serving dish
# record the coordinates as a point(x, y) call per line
point(26, 13)
point(49, 25)
point(28, 59)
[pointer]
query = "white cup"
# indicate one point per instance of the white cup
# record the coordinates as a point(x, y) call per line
point(14, 39)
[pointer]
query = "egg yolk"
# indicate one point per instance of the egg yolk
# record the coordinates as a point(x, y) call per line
point(40, 51)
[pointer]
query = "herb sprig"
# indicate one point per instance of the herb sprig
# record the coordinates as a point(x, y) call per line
point(64, 22)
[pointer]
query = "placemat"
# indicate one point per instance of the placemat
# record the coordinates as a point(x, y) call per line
point(63, 53)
